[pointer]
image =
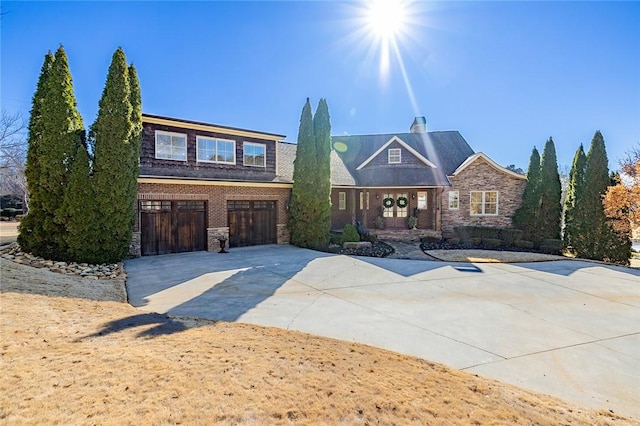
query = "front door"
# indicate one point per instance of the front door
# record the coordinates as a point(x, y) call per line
point(395, 216)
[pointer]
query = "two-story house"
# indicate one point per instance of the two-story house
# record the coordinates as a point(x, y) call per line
point(200, 182)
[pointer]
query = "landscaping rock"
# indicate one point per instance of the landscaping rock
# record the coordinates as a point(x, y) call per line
point(114, 271)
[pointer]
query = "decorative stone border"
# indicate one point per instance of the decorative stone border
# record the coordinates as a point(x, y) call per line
point(105, 271)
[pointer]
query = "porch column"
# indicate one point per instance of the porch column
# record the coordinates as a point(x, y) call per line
point(438, 205)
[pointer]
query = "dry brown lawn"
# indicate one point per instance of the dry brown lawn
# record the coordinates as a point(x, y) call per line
point(68, 360)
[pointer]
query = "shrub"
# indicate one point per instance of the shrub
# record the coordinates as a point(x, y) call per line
point(467, 232)
point(509, 236)
point(335, 238)
point(524, 244)
point(476, 241)
point(464, 232)
point(491, 242)
point(380, 222)
point(453, 241)
point(371, 237)
point(430, 240)
point(551, 246)
point(488, 232)
point(350, 234)
point(466, 242)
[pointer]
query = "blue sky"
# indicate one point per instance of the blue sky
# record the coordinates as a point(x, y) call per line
point(507, 75)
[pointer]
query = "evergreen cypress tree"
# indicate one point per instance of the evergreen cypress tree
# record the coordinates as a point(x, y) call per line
point(62, 133)
point(526, 217)
point(302, 212)
point(572, 217)
point(550, 193)
point(112, 134)
point(80, 212)
point(592, 224)
point(136, 122)
point(31, 231)
point(322, 133)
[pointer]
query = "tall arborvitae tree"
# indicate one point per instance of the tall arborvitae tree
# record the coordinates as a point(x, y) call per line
point(322, 134)
point(62, 134)
point(301, 214)
point(527, 216)
point(572, 217)
point(136, 121)
point(550, 191)
point(113, 178)
point(80, 212)
point(31, 230)
point(598, 239)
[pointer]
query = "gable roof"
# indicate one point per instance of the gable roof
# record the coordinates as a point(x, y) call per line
point(492, 163)
point(445, 150)
point(404, 144)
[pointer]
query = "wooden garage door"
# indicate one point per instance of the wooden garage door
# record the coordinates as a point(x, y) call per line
point(172, 226)
point(251, 223)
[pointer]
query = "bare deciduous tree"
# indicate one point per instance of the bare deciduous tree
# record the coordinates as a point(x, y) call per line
point(13, 154)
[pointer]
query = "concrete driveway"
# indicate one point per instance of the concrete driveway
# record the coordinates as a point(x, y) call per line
point(565, 328)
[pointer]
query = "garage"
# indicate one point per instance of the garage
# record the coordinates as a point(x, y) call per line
point(172, 226)
point(251, 223)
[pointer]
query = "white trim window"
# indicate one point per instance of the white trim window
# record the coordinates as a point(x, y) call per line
point(342, 200)
point(171, 146)
point(484, 203)
point(395, 156)
point(454, 200)
point(254, 154)
point(422, 200)
point(213, 150)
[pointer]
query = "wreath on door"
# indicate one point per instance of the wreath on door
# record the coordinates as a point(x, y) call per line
point(402, 202)
point(388, 202)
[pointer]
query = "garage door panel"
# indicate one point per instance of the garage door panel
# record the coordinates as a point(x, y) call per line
point(251, 223)
point(263, 226)
point(239, 228)
point(156, 233)
point(172, 227)
point(190, 231)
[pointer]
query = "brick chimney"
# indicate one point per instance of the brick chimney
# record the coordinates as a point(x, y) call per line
point(419, 125)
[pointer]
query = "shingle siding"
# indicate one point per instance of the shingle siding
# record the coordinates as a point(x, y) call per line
point(151, 166)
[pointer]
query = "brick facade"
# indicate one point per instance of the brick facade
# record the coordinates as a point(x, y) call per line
point(481, 176)
point(216, 195)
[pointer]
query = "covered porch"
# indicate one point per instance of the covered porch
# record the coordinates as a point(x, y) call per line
point(387, 209)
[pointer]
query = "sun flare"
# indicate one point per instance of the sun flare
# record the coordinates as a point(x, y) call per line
point(386, 18)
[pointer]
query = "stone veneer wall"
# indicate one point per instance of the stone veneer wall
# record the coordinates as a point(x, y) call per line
point(480, 176)
point(134, 246)
point(216, 197)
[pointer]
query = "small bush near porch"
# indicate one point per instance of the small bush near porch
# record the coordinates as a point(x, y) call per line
point(490, 238)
